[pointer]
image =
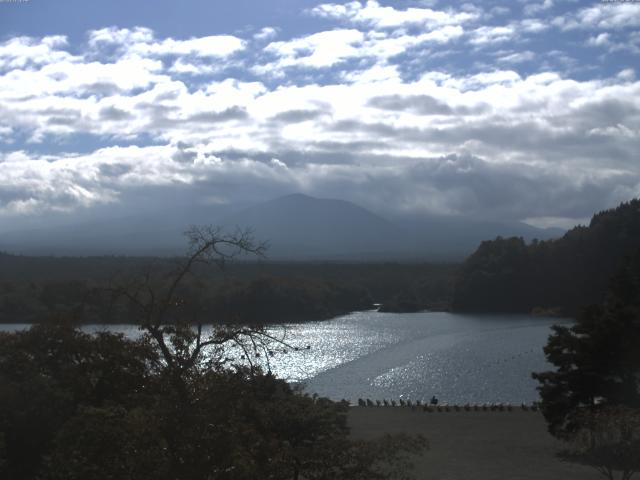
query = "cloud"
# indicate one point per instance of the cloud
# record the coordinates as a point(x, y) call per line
point(266, 33)
point(491, 35)
point(535, 8)
point(181, 66)
point(111, 113)
point(296, 116)
point(420, 104)
point(329, 48)
point(517, 57)
point(373, 14)
point(420, 109)
point(322, 49)
point(602, 39)
point(28, 52)
point(603, 16)
point(211, 46)
point(119, 36)
point(451, 184)
point(142, 42)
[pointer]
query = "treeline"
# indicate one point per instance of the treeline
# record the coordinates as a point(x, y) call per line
point(258, 301)
point(41, 289)
point(555, 276)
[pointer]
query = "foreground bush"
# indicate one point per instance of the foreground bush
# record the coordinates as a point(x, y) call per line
point(78, 406)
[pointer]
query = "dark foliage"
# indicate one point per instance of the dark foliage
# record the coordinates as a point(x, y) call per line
point(554, 276)
point(608, 440)
point(75, 406)
point(47, 373)
point(37, 289)
point(271, 300)
point(174, 404)
point(597, 359)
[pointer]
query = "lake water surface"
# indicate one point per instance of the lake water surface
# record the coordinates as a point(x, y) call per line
point(458, 358)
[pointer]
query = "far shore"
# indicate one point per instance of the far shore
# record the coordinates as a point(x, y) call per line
point(475, 445)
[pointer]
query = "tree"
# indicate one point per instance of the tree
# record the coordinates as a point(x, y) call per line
point(592, 400)
point(174, 404)
point(609, 441)
point(597, 359)
point(173, 318)
point(48, 372)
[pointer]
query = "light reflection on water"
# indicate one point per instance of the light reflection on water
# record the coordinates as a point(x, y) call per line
point(458, 358)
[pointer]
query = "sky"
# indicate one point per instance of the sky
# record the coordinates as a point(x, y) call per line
point(512, 110)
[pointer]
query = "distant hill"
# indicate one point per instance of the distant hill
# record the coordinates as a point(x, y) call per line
point(301, 227)
point(560, 275)
point(153, 234)
point(297, 227)
point(456, 237)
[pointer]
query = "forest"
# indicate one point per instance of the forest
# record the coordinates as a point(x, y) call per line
point(41, 289)
point(553, 277)
point(556, 277)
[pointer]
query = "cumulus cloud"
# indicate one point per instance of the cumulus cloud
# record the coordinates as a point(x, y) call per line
point(322, 49)
point(536, 8)
point(371, 13)
point(489, 35)
point(265, 33)
point(25, 52)
point(375, 107)
point(326, 49)
point(602, 16)
point(141, 41)
point(602, 39)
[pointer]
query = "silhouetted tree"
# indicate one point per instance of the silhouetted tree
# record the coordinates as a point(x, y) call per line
point(172, 405)
point(597, 359)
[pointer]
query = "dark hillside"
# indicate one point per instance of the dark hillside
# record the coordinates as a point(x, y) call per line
point(508, 275)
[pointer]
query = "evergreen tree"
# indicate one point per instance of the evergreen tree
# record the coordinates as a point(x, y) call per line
point(598, 359)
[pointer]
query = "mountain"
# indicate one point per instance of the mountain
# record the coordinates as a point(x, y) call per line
point(297, 227)
point(560, 275)
point(301, 227)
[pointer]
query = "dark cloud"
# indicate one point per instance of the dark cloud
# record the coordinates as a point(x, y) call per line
point(102, 89)
point(183, 154)
point(231, 113)
point(295, 116)
point(423, 105)
point(114, 114)
point(61, 116)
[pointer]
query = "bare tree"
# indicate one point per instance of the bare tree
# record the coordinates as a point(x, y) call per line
point(158, 299)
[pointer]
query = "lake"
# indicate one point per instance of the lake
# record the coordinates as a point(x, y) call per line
point(459, 358)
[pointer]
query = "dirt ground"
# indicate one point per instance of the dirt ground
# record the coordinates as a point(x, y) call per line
point(474, 445)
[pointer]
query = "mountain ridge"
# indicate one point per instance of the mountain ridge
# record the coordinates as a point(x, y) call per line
point(298, 227)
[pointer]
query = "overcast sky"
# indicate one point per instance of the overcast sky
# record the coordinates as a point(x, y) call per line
point(516, 110)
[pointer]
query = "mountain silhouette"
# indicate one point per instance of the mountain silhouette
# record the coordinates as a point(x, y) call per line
point(296, 226)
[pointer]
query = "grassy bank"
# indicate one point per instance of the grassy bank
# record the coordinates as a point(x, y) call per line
point(474, 445)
